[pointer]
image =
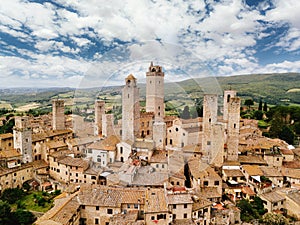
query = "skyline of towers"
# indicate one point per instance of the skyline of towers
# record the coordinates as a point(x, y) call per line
point(215, 134)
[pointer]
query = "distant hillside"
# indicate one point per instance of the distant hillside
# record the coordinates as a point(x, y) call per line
point(271, 88)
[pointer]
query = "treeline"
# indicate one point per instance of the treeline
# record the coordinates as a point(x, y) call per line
point(284, 122)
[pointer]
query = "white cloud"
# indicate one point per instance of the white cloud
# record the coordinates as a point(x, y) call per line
point(221, 42)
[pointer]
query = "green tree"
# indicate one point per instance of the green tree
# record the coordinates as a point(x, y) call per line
point(265, 108)
point(258, 204)
point(274, 219)
point(248, 213)
point(186, 113)
point(24, 217)
point(260, 105)
point(11, 195)
point(5, 213)
point(287, 135)
point(258, 115)
point(249, 103)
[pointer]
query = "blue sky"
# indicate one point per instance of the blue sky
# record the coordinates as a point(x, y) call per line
point(87, 43)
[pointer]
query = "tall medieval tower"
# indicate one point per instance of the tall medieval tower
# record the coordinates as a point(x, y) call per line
point(58, 113)
point(99, 112)
point(233, 128)
point(210, 113)
point(23, 138)
point(130, 109)
point(155, 91)
point(227, 95)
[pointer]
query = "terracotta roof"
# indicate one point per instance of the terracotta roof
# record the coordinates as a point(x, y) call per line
point(159, 156)
point(52, 133)
point(38, 137)
point(285, 151)
point(82, 141)
point(202, 170)
point(39, 164)
point(181, 198)
point(252, 159)
point(200, 204)
point(9, 153)
point(292, 164)
point(108, 144)
point(110, 196)
point(271, 171)
point(233, 173)
point(155, 201)
point(61, 213)
point(56, 144)
point(210, 192)
point(70, 161)
point(272, 197)
point(150, 179)
point(6, 136)
point(253, 170)
point(247, 190)
point(61, 153)
point(192, 148)
point(293, 173)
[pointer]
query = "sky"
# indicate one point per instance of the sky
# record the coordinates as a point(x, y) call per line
point(89, 43)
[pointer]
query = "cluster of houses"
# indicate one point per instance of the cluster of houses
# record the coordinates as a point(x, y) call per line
point(151, 168)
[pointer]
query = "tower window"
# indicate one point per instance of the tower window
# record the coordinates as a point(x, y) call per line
point(128, 95)
point(209, 120)
point(228, 98)
point(234, 125)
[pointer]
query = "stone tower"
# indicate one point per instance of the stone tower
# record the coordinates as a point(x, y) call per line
point(23, 138)
point(99, 112)
point(108, 125)
point(58, 113)
point(227, 95)
point(210, 113)
point(233, 128)
point(155, 91)
point(130, 109)
point(216, 156)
